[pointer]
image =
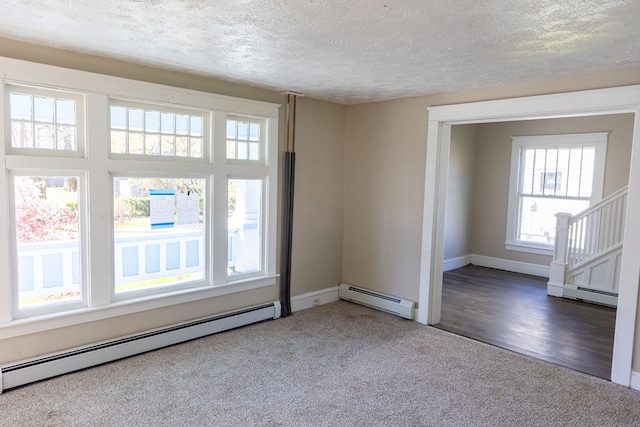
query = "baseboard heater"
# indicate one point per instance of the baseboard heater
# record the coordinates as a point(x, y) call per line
point(390, 304)
point(49, 366)
point(597, 296)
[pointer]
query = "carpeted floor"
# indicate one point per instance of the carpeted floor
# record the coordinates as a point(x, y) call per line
point(336, 365)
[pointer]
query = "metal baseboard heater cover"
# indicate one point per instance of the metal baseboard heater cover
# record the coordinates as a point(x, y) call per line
point(390, 304)
point(32, 370)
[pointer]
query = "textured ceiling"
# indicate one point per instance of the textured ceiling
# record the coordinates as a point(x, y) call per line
point(347, 51)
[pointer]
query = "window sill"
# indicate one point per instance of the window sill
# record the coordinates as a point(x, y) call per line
point(530, 248)
point(51, 321)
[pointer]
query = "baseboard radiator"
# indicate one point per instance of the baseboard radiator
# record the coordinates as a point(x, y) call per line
point(49, 366)
point(390, 304)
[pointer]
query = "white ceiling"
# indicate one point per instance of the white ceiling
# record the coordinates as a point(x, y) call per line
point(346, 51)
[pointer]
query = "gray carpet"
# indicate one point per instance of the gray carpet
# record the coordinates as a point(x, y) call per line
point(336, 365)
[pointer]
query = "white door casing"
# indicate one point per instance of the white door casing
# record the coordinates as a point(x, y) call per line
point(584, 103)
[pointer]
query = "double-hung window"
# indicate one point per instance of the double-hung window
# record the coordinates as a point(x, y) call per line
point(551, 174)
point(145, 194)
point(47, 182)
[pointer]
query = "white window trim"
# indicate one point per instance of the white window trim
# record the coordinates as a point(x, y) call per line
point(96, 162)
point(76, 96)
point(594, 139)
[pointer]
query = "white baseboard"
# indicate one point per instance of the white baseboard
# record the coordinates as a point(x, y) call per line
point(457, 262)
point(312, 299)
point(635, 380)
point(509, 265)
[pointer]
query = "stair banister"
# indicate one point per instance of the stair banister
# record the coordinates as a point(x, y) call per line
point(557, 269)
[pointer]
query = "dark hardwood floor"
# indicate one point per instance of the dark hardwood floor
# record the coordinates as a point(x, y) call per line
point(513, 311)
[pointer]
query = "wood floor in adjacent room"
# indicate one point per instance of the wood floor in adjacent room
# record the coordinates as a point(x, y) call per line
point(513, 311)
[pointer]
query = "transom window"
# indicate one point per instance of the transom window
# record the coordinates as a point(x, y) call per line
point(551, 174)
point(45, 120)
point(244, 140)
point(140, 130)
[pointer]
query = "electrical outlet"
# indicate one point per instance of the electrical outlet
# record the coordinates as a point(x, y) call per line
point(316, 301)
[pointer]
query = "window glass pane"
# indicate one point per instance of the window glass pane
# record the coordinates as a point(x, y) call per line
point(66, 138)
point(182, 124)
point(136, 143)
point(526, 183)
point(575, 169)
point(46, 229)
point(168, 122)
point(195, 150)
point(196, 126)
point(550, 176)
point(254, 132)
point(231, 149)
point(243, 131)
point(563, 169)
point(158, 232)
point(118, 117)
point(135, 119)
point(539, 165)
point(182, 146)
point(65, 111)
point(43, 109)
point(45, 136)
point(152, 121)
point(254, 151)
point(244, 226)
point(537, 221)
point(586, 177)
point(152, 144)
point(242, 151)
point(168, 144)
point(21, 108)
point(118, 141)
point(232, 129)
point(21, 135)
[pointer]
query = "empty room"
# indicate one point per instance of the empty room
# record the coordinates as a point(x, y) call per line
point(245, 213)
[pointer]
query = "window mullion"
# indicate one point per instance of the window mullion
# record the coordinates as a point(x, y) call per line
point(5, 259)
point(99, 203)
point(218, 213)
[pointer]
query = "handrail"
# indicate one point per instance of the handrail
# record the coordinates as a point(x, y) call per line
point(596, 229)
point(616, 194)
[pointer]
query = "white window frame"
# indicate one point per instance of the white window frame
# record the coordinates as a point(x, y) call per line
point(35, 89)
point(206, 130)
point(597, 140)
point(97, 166)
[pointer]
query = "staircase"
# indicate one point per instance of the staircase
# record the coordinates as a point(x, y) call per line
point(587, 253)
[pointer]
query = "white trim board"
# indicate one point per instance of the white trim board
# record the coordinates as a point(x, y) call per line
point(497, 263)
point(635, 380)
point(457, 262)
point(572, 104)
point(510, 265)
point(312, 299)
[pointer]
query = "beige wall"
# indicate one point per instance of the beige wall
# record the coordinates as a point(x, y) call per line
point(384, 181)
point(460, 192)
point(384, 178)
point(317, 246)
point(319, 196)
point(493, 161)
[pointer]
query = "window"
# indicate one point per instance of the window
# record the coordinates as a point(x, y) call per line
point(158, 236)
point(245, 226)
point(551, 174)
point(147, 131)
point(132, 200)
point(47, 241)
point(44, 120)
point(244, 140)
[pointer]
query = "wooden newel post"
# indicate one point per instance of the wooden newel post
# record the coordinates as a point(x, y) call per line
point(555, 285)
